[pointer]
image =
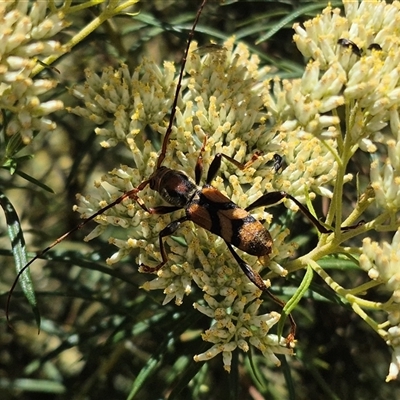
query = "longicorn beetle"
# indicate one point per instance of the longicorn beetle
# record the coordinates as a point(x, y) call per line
point(204, 205)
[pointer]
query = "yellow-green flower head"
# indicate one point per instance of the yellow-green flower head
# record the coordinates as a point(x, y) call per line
point(385, 180)
point(382, 261)
point(300, 111)
point(25, 30)
point(394, 341)
point(363, 48)
point(385, 177)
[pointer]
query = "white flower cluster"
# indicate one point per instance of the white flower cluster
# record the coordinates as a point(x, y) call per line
point(381, 261)
point(236, 325)
point(25, 31)
point(367, 69)
point(385, 177)
point(361, 50)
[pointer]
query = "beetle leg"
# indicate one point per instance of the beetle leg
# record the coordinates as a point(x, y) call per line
point(216, 164)
point(255, 277)
point(198, 170)
point(292, 334)
point(271, 198)
point(133, 194)
point(167, 231)
point(163, 209)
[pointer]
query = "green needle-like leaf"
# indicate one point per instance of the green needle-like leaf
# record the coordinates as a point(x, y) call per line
point(19, 252)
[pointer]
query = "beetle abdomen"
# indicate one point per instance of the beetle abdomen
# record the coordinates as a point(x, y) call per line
point(213, 211)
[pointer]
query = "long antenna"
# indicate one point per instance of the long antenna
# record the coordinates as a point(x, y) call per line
point(178, 88)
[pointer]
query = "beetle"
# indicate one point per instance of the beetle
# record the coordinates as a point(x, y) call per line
point(208, 208)
point(350, 44)
point(278, 162)
point(375, 46)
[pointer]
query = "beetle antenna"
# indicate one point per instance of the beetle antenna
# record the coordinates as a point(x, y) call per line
point(178, 88)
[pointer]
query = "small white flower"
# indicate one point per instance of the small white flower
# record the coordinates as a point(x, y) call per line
point(385, 181)
point(239, 329)
point(381, 261)
point(394, 341)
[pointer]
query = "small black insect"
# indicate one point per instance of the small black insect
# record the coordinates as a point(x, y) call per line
point(375, 46)
point(350, 44)
point(278, 163)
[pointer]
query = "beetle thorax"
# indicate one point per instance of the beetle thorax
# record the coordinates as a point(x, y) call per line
point(173, 186)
